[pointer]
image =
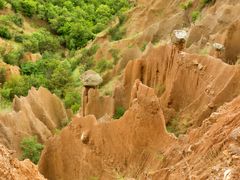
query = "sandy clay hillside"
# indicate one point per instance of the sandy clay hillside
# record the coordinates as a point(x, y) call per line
point(180, 100)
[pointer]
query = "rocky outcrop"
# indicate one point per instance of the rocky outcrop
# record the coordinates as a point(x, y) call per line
point(13, 169)
point(40, 113)
point(192, 85)
point(87, 148)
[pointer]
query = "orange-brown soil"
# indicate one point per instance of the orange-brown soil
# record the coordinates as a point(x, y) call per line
point(13, 169)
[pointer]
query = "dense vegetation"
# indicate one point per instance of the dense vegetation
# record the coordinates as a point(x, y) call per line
point(74, 21)
point(31, 149)
point(57, 29)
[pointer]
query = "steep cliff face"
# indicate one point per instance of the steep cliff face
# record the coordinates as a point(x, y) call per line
point(40, 113)
point(211, 151)
point(191, 85)
point(88, 149)
point(13, 169)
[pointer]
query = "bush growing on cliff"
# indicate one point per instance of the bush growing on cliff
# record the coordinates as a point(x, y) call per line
point(195, 15)
point(186, 5)
point(119, 112)
point(5, 33)
point(31, 149)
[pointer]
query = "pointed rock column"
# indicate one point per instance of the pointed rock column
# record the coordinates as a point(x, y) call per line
point(90, 79)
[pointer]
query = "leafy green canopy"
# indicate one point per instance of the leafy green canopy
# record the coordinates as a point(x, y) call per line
point(75, 21)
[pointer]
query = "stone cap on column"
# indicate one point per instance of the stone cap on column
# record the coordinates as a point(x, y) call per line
point(91, 79)
point(179, 36)
point(218, 47)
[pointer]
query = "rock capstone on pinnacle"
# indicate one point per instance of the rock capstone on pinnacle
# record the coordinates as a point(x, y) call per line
point(179, 36)
point(91, 78)
point(218, 47)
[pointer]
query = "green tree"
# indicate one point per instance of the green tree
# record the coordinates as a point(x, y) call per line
point(2, 4)
point(28, 7)
point(41, 41)
point(17, 85)
point(61, 77)
point(72, 100)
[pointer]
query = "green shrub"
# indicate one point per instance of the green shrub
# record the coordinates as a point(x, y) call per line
point(13, 57)
point(2, 75)
point(28, 7)
point(18, 38)
point(2, 4)
point(15, 5)
point(72, 100)
point(16, 19)
point(17, 85)
point(144, 45)
point(5, 33)
point(103, 65)
point(41, 41)
point(119, 112)
point(195, 15)
point(31, 149)
point(186, 5)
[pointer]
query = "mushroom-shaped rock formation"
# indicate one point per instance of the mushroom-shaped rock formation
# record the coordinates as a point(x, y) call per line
point(91, 100)
point(219, 50)
point(91, 79)
point(178, 38)
point(218, 47)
